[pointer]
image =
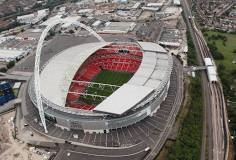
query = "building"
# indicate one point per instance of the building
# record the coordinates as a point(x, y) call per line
point(6, 93)
point(117, 27)
point(12, 54)
point(69, 98)
point(33, 18)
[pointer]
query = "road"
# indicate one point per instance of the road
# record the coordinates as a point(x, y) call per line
point(70, 152)
point(216, 119)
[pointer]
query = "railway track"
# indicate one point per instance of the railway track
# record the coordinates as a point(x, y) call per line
point(220, 131)
point(217, 122)
point(219, 128)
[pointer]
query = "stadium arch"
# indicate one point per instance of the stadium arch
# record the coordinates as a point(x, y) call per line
point(37, 63)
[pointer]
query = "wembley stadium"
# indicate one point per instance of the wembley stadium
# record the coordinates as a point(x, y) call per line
point(100, 86)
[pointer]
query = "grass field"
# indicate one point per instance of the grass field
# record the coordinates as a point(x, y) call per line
point(105, 77)
point(227, 50)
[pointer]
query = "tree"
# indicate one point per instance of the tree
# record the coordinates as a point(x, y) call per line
point(205, 34)
point(3, 70)
point(52, 33)
point(10, 64)
point(221, 69)
point(71, 31)
point(217, 55)
point(224, 44)
point(233, 73)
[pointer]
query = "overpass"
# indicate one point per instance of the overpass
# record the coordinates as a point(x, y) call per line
point(197, 68)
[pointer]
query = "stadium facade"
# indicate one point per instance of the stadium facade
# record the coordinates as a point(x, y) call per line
point(67, 77)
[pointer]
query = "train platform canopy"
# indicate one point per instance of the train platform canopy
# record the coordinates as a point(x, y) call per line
point(212, 74)
point(208, 61)
point(123, 99)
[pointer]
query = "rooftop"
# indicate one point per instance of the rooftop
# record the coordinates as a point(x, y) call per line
point(154, 69)
point(123, 99)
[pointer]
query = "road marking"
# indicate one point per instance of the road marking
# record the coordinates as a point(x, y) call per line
point(100, 155)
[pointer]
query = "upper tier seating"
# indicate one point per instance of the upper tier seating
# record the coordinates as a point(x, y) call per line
point(108, 58)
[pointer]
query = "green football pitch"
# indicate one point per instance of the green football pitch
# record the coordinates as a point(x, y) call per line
point(105, 77)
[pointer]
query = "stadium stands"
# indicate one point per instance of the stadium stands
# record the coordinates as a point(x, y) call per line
point(114, 57)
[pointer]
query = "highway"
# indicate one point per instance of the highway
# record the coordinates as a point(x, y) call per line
point(215, 115)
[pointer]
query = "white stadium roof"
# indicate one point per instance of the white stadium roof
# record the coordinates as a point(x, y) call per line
point(155, 67)
point(124, 99)
point(153, 47)
point(145, 69)
point(152, 70)
point(56, 77)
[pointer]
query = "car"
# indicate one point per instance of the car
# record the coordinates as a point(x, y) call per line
point(147, 149)
point(31, 134)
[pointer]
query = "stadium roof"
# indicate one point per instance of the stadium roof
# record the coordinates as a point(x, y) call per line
point(154, 69)
point(145, 69)
point(123, 99)
point(153, 47)
point(55, 78)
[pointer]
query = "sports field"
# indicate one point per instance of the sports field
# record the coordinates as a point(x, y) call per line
point(105, 77)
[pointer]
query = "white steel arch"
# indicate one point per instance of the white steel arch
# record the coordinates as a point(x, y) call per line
point(37, 64)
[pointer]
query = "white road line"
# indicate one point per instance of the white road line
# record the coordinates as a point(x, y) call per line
point(106, 140)
point(129, 132)
point(91, 154)
point(94, 138)
point(117, 137)
point(124, 136)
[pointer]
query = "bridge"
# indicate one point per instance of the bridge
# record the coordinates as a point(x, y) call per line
point(197, 68)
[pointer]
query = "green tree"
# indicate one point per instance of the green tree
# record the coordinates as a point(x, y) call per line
point(71, 31)
point(205, 34)
point(10, 64)
point(52, 33)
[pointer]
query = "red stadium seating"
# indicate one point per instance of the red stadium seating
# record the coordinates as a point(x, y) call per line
point(108, 58)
